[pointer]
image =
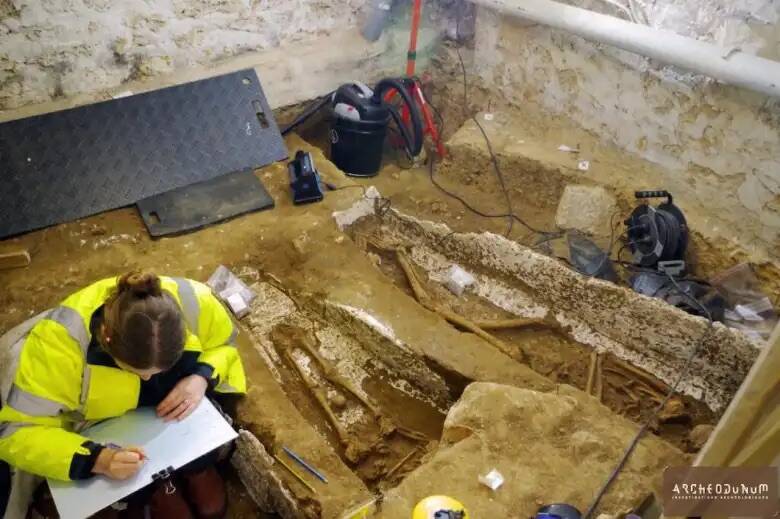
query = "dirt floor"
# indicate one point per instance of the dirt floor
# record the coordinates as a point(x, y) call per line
point(280, 253)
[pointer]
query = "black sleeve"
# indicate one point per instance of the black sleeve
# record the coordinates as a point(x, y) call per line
point(82, 464)
point(154, 390)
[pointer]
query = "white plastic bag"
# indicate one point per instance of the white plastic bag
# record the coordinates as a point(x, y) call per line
point(231, 290)
point(458, 280)
point(749, 309)
point(492, 479)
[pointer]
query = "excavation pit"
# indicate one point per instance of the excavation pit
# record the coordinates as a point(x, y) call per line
point(385, 374)
point(401, 394)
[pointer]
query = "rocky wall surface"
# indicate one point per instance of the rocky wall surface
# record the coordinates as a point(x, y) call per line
point(63, 47)
point(719, 144)
point(60, 48)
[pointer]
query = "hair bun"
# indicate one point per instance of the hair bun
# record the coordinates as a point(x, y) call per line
point(140, 284)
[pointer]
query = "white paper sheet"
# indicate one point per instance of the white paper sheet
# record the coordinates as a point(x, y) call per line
point(166, 445)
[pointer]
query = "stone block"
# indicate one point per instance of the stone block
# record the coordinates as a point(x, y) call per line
point(255, 467)
point(549, 447)
point(587, 209)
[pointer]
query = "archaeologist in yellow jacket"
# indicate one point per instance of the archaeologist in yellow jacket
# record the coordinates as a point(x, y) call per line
point(121, 343)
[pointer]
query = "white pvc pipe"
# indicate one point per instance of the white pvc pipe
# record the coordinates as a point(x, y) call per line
point(732, 67)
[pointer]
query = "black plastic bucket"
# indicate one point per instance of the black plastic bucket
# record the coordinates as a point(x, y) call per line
point(356, 146)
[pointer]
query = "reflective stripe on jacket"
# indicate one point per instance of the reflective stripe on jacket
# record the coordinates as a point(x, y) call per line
point(54, 388)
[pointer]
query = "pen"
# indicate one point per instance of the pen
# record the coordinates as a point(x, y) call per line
point(305, 465)
point(119, 447)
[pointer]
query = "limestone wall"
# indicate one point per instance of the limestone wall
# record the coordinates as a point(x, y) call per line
point(57, 49)
point(719, 144)
point(63, 47)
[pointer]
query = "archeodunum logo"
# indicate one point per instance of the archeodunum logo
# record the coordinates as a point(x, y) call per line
point(707, 491)
point(720, 491)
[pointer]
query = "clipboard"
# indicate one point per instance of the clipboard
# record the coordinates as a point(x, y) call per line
point(168, 446)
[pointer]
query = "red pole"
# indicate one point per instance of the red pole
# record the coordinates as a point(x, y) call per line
point(417, 95)
point(411, 57)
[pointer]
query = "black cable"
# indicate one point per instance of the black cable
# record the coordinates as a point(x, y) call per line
point(312, 109)
point(334, 187)
point(628, 265)
point(414, 143)
point(499, 175)
point(509, 215)
point(620, 251)
point(436, 112)
point(483, 214)
point(608, 253)
point(546, 240)
point(403, 131)
point(684, 372)
point(688, 296)
point(439, 116)
point(384, 205)
point(399, 153)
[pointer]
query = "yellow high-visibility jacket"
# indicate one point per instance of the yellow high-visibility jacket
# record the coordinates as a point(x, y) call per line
point(54, 388)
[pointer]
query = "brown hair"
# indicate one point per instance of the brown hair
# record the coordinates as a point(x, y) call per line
point(143, 323)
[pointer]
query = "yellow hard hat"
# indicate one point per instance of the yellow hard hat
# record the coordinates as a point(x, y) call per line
point(439, 507)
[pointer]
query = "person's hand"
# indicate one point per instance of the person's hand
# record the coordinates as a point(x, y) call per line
point(119, 463)
point(183, 398)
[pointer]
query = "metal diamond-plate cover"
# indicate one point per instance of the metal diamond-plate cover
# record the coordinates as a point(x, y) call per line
point(65, 165)
point(197, 205)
